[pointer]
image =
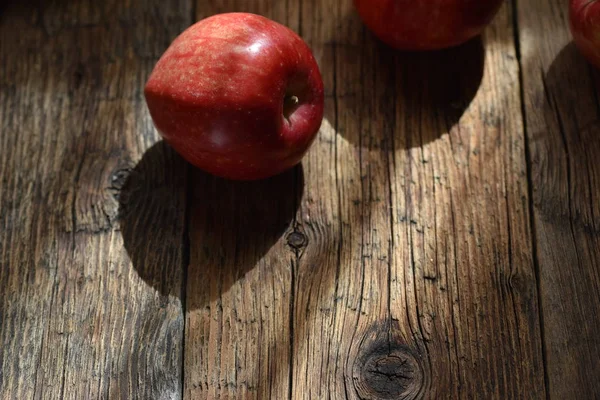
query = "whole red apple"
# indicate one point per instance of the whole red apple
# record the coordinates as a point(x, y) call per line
point(426, 24)
point(237, 95)
point(585, 26)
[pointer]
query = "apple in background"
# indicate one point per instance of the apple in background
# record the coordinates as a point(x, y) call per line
point(585, 26)
point(426, 24)
point(237, 95)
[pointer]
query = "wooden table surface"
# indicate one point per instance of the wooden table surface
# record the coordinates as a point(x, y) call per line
point(440, 240)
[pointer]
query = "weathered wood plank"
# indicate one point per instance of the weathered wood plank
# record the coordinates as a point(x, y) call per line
point(238, 288)
point(413, 273)
point(90, 305)
point(239, 281)
point(396, 263)
point(561, 93)
point(418, 277)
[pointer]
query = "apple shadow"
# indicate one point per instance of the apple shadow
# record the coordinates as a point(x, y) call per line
point(176, 220)
point(418, 95)
point(571, 109)
point(152, 212)
point(233, 225)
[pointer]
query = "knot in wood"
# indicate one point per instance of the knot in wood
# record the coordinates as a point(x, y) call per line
point(388, 371)
point(296, 240)
point(118, 179)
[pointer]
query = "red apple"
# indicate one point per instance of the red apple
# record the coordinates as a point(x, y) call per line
point(426, 24)
point(237, 95)
point(585, 26)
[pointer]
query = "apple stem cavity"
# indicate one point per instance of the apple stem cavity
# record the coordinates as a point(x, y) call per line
point(290, 104)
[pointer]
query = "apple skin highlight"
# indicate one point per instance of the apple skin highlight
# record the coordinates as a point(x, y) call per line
point(237, 95)
point(426, 25)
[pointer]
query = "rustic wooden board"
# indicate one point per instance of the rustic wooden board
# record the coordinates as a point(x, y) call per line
point(239, 285)
point(419, 281)
point(561, 92)
point(407, 271)
point(89, 305)
point(413, 254)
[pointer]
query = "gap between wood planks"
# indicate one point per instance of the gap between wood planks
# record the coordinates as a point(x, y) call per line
point(536, 262)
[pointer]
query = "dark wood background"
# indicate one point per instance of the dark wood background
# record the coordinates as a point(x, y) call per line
point(440, 240)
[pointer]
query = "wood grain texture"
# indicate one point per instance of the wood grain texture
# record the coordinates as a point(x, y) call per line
point(243, 250)
point(419, 259)
point(77, 320)
point(561, 92)
point(408, 270)
point(413, 254)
